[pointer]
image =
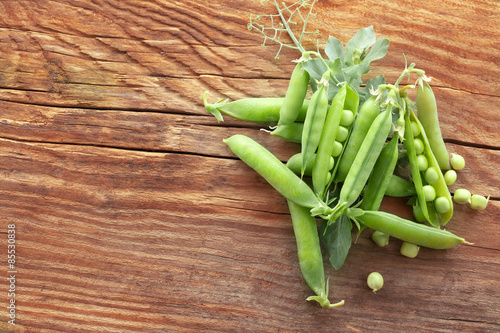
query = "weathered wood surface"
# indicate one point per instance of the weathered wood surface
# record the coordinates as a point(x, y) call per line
point(131, 215)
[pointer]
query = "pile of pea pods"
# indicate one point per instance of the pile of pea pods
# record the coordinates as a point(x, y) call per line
point(351, 156)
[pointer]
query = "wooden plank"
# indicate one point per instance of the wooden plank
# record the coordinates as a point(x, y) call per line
point(132, 215)
point(219, 254)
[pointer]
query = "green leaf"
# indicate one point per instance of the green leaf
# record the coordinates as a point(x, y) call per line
point(337, 240)
point(334, 49)
point(357, 46)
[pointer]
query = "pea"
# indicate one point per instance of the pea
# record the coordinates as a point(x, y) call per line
point(342, 134)
point(457, 162)
point(415, 129)
point(442, 205)
point(409, 250)
point(375, 281)
point(422, 162)
point(462, 196)
point(380, 238)
point(478, 202)
point(418, 214)
point(419, 146)
point(429, 193)
point(337, 149)
point(450, 177)
point(431, 175)
point(347, 118)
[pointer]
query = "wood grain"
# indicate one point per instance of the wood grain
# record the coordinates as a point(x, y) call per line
point(131, 214)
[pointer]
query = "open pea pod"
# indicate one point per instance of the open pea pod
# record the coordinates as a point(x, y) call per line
point(443, 196)
point(345, 102)
point(409, 143)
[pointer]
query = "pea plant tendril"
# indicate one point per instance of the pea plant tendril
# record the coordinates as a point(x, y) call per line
point(279, 24)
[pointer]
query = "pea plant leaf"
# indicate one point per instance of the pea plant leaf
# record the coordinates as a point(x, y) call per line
point(362, 49)
point(337, 240)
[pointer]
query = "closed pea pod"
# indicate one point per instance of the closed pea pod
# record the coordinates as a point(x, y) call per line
point(259, 110)
point(409, 231)
point(428, 116)
point(295, 95)
point(380, 177)
point(309, 253)
point(367, 114)
point(276, 173)
point(314, 122)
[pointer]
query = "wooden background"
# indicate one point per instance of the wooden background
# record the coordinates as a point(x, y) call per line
point(131, 214)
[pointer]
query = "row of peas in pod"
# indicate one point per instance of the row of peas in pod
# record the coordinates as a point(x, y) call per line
point(347, 164)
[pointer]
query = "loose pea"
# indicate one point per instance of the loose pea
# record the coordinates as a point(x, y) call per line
point(342, 134)
point(415, 129)
point(375, 281)
point(422, 162)
point(419, 145)
point(337, 148)
point(409, 250)
point(380, 238)
point(457, 162)
point(442, 205)
point(347, 118)
point(478, 202)
point(462, 196)
point(429, 193)
point(431, 175)
point(450, 177)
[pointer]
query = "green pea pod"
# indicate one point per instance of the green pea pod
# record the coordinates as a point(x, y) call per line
point(409, 143)
point(365, 159)
point(380, 177)
point(259, 110)
point(367, 114)
point(409, 231)
point(440, 185)
point(291, 132)
point(294, 163)
point(295, 95)
point(315, 120)
point(428, 116)
point(276, 173)
point(399, 187)
point(309, 253)
point(345, 99)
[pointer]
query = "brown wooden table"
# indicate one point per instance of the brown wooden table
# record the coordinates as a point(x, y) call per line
point(131, 215)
